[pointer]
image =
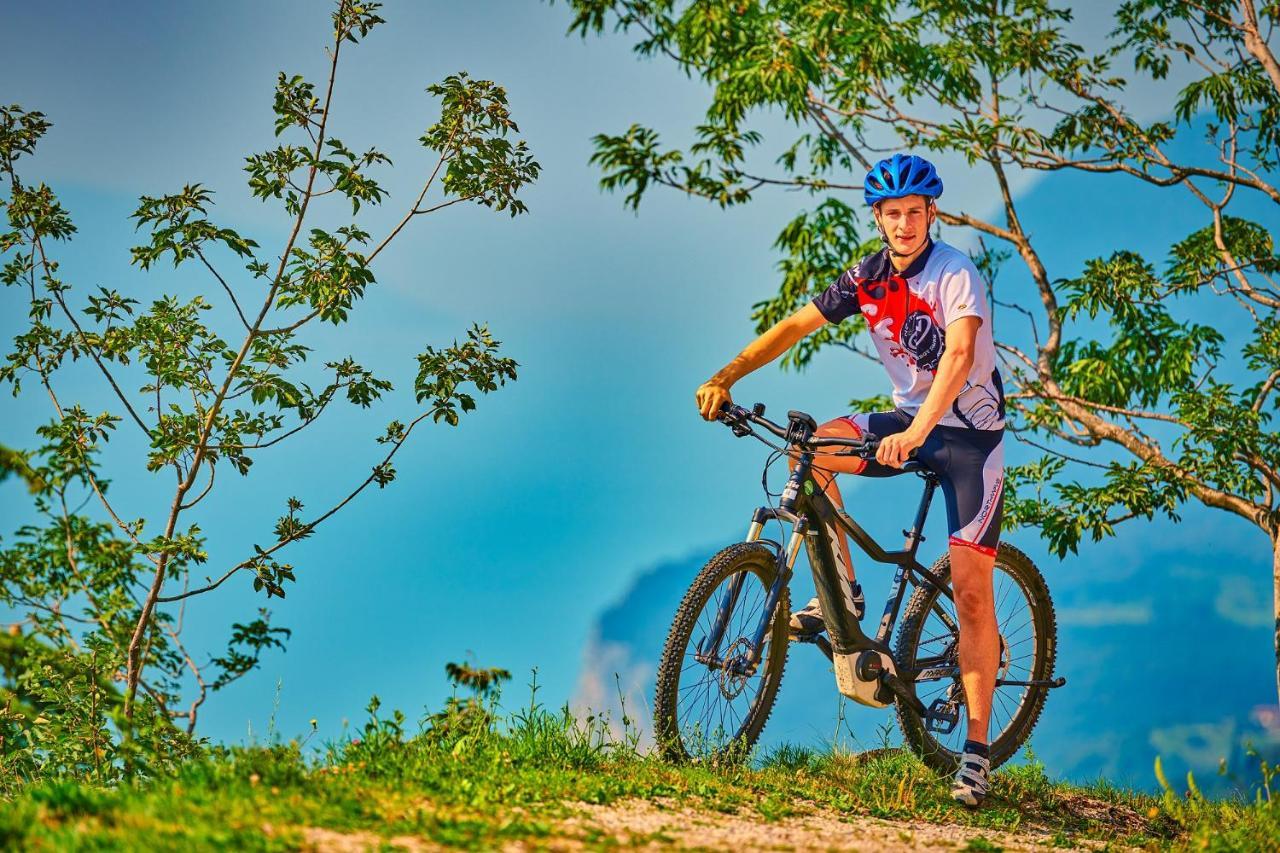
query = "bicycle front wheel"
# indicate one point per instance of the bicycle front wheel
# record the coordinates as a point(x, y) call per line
point(929, 638)
point(710, 703)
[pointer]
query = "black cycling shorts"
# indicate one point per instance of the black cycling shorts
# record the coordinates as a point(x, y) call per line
point(970, 467)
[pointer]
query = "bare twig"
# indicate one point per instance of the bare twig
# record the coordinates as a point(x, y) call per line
point(225, 286)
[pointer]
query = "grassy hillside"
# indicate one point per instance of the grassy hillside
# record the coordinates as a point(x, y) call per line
point(468, 778)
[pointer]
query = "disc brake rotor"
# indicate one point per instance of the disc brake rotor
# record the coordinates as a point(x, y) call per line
point(952, 656)
point(735, 673)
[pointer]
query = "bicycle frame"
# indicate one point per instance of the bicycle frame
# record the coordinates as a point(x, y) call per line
point(814, 522)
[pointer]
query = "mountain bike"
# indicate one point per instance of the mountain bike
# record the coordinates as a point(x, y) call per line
point(722, 663)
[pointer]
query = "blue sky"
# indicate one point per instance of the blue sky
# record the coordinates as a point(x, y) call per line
point(503, 538)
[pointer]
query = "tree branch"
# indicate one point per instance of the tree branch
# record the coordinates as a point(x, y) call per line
point(1266, 389)
point(306, 529)
point(84, 341)
point(225, 286)
point(135, 643)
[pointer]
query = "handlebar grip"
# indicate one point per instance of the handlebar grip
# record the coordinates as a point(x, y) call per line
point(872, 444)
point(911, 455)
point(730, 412)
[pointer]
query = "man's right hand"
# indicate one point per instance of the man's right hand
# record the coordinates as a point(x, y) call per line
point(711, 396)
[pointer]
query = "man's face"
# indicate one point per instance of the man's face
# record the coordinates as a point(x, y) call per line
point(905, 222)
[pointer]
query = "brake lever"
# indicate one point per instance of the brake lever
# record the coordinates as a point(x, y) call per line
point(735, 418)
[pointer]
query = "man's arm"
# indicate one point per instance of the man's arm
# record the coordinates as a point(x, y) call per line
point(772, 343)
point(953, 370)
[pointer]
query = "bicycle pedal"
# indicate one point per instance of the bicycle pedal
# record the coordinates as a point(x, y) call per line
point(942, 717)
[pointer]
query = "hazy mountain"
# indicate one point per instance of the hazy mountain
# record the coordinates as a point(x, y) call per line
point(1163, 636)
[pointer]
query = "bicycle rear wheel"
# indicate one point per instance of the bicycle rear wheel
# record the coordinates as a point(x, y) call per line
point(708, 711)
point(1028, 633)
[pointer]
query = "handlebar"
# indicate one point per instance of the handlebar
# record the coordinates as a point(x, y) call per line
point(799, 430)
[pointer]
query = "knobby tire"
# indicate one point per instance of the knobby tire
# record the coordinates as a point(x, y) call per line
point(681, 644)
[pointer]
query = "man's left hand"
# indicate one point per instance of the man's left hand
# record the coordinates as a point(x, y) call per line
point(895, 449)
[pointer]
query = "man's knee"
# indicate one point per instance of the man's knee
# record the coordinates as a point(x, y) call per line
point(839, 428)
point(971, 601)
point(971, 580)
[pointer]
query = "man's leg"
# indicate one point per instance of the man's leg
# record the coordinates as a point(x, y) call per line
point(973, 488)
point(971, 572)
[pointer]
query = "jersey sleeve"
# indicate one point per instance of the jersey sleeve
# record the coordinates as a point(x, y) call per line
point(840, 300)
point(962, 294)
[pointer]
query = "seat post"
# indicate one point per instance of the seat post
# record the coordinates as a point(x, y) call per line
point(914, 537)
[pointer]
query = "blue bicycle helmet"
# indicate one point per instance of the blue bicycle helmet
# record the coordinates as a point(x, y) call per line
point(899, 176)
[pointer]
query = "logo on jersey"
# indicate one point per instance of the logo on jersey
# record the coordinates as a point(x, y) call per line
point(903, 318)
point(922, 338)
point(981, 406)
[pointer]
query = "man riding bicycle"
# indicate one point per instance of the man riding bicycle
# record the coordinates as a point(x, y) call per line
point(925, 306)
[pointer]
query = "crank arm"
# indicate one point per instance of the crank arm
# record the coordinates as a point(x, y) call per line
point(904, 693)
point(823, 644)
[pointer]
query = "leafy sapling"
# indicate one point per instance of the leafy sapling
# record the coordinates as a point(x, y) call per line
point(209, 381)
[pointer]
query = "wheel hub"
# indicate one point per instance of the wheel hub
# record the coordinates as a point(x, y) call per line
point(737, 669)
point(952, 656)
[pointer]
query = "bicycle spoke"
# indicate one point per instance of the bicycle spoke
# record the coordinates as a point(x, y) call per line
point(1010, 635)
point(947, 618)
point(696, 688)
point(995, 727)
point(1004, 704)
point(710, 676)
point(1016, 611)
point(1001, 595)
point(947, 636)
point(692, 664)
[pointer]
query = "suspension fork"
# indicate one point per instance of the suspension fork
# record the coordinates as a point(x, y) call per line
point(709, 649)
point(786, 564)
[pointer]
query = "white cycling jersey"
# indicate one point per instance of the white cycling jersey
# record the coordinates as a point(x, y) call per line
point(908, 313)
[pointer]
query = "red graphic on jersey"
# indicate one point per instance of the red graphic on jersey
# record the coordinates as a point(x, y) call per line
point(904, 318)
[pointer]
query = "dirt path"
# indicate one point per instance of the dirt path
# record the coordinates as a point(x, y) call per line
point(665, 825)
point(659, 826)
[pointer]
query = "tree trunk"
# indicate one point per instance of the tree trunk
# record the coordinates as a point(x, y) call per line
point(1275, 583)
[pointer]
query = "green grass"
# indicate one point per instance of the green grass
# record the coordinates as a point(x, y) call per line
point(470, 779)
